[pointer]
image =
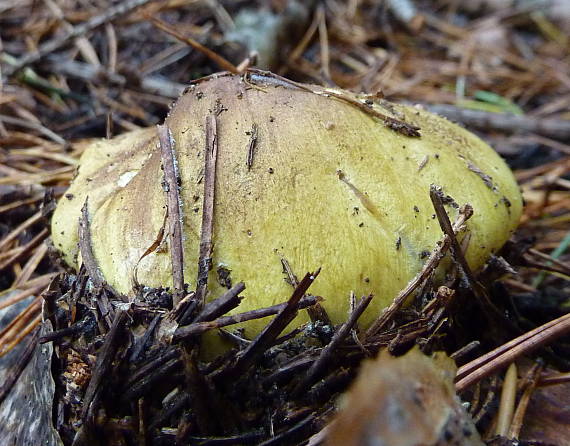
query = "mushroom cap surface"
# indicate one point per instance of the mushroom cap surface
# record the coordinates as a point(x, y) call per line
point(330, 186)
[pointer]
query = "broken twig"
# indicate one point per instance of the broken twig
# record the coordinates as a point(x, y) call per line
point(251, 146)
point(205, 254)
point(326, 354)
point(429, 267)
point(171, 183)
point(272, 330)
point(196, 328)
point(86, 248)
point(104, 361)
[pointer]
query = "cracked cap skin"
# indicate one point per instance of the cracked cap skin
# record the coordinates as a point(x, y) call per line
point(329, 186)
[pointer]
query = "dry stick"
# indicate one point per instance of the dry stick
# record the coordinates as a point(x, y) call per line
point(320, 438)
point(110, 14)
point(25, 250)
point(264, 339)
point(478, 290)
point(20, 203)
point(324, 44)
point(163, 372)
point(436, 196)
point(327, 352)
point(553, 128)
point(86, 249)
point(488, 402)
point(202, 401)
point(44, 280)
point(46, 176)
point(550, 259)
point(290, 273)
point(458, 355)
point(105, 307)
point(392, 123)
point(44, 151)
point(34, 126)
point(21, 295)
point(316, 312)
point(19, 229)
point(251, 146)
point(142, 343)
point(142, 427)
point(543, 169)
point(31, 266)
point(197, 328)
point(531, 381)
point(289, 370)
point(222, 305)
point(252, 437)
point(171, 179)
point(98, 75)
point(81, 43)
point(223, 63)
point(205, 254)
point(294, 434)
point(223, 18)
point(429, 267)
point(306, 39)
point(112, 47)
point(104, 361)
point(528, 262)
point(548, 142)
point(183, 312)
point(249, 61)
point(502, 356)
point(22, 334)
point(23, 320)
point(16, 370)
point(554, 379)
point(175, 406)
point(507, 402)
point(152, 366)
point(67, 331)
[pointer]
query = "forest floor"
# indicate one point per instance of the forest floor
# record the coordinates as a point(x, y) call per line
point(72, 70)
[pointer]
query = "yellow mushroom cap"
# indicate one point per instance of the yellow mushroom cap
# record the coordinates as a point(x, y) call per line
point(328, 185)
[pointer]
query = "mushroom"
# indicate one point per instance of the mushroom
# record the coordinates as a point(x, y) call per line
point(409, 400)
point(312, 176)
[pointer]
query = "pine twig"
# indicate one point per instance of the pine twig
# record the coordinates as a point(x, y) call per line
point(171, 181)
